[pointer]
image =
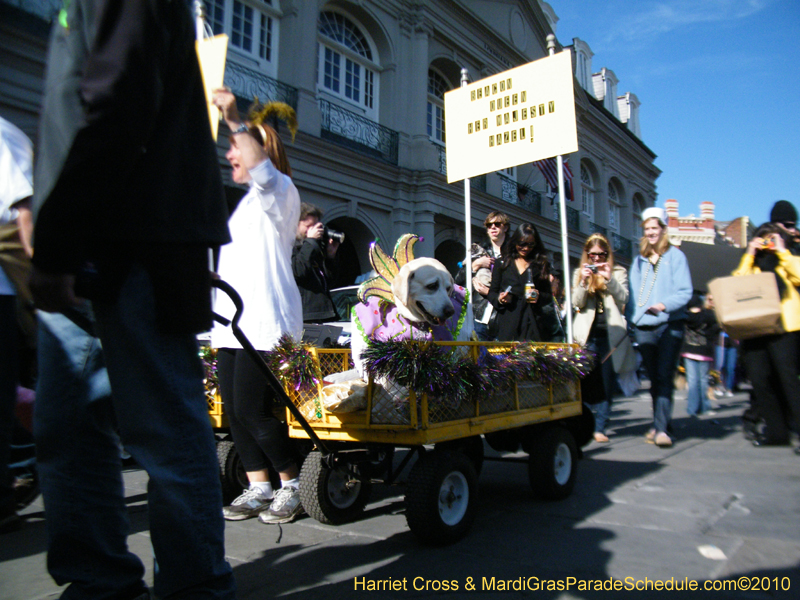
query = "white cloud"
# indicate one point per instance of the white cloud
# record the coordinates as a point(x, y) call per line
point(648, 19)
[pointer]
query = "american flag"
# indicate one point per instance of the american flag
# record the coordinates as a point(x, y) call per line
point(549, 168)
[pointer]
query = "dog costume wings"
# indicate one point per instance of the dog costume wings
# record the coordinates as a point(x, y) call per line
point(387, 267)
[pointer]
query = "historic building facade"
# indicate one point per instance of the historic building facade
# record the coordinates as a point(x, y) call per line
point(367, 79)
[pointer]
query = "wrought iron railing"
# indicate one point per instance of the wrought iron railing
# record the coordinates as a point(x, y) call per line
point(532, 201)
point(595, 228)
point(622, 246)
point(358, 133)
point(442, 159)
point(509, 189)
point(248, 84)
point(573, 219)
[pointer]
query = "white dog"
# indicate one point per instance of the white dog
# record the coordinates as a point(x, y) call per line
point(422, 291)
point(427, 305)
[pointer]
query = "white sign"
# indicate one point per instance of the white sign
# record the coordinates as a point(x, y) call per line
point(518, 116)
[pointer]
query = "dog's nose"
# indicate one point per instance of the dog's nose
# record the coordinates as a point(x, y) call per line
point(448, 311)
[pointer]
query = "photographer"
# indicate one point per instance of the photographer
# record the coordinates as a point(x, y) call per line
point(314, 265)
point(771, 361)
point(599, 300)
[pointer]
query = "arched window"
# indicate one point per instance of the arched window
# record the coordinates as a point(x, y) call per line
point(251, 26)
point(346, 66)
point(437, 86)
point(613, 207)
point(587, 192)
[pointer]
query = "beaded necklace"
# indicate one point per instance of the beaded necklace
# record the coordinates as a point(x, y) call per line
point(652, 283)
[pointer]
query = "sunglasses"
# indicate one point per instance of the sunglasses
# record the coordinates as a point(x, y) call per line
point(789, 225)
point(525, 245)
point(598, 254)
point(494, 224)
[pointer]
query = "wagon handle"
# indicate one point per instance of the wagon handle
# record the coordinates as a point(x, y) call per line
point(272, 380)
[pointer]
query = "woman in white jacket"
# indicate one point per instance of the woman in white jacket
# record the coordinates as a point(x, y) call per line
point(599, 298)
point(257, 263)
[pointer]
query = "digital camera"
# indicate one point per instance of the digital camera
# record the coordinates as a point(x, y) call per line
point(332, 234)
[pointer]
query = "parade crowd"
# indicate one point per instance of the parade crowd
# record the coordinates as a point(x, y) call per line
point(117, 361)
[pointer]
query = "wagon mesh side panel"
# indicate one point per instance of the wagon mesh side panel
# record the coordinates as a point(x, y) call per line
point(307, 400)
point(390, 404)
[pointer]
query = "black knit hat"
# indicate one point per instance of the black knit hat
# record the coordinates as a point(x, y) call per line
point(783, 212)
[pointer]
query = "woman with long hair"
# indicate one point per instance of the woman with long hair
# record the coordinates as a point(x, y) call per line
point(660, 287)
point(771, 361)
point(257, 263)
point(521, 293)
point(599, 299)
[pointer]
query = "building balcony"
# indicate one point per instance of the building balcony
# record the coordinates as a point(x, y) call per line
point(622, 246)
point(247, 84)
point(595, 228)
point(350, 130)
point(573, 219)
point(514, 193)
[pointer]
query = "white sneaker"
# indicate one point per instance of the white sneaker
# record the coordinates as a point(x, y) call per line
point(729, 394)
point(249, 504)
point(285, 508)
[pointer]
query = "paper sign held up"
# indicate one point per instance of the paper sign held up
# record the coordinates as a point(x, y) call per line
point(212, 52)
point(515, 117)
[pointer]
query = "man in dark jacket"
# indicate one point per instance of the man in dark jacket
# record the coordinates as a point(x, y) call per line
point(314, 266)
point(128, 200)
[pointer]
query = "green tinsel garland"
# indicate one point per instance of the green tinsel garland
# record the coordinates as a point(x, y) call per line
point(449, 376)
point(452, 377)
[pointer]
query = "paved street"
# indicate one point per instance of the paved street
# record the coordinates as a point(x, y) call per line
point(711, 508)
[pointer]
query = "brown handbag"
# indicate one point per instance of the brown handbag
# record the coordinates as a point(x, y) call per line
point(748, 306)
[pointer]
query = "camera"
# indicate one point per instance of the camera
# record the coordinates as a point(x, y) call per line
point(332, 234)
point(592, 268)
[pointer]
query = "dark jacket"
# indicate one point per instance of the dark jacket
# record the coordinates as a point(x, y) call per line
point(702, 331)
point(519, 320)
point(479, 302)
point(313, 272)
point(126, 166)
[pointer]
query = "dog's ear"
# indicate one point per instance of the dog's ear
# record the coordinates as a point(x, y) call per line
point(400, 284)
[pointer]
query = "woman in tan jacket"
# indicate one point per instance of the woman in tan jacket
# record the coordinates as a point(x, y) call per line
point(599, 298)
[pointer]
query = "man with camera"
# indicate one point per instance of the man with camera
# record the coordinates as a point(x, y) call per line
point(314, 264)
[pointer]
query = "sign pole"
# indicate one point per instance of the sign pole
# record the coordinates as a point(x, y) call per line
point(562, 210)
point(467, 215)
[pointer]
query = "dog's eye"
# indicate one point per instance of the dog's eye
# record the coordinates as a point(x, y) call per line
point(433, 286)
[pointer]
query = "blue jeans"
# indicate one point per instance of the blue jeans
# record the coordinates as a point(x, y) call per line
point(160, 409)
point(726, 365)
point(697, 386)
point(660, 348)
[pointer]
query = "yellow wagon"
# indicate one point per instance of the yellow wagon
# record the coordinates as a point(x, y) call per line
point(355, 449)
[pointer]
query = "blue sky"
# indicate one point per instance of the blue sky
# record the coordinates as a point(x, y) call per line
point(719, 86)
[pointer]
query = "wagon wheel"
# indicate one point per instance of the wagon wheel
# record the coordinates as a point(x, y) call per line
point(231, 470)
point(472, 447)
point(553, 464)
point(441, 497)
point(329, 495)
